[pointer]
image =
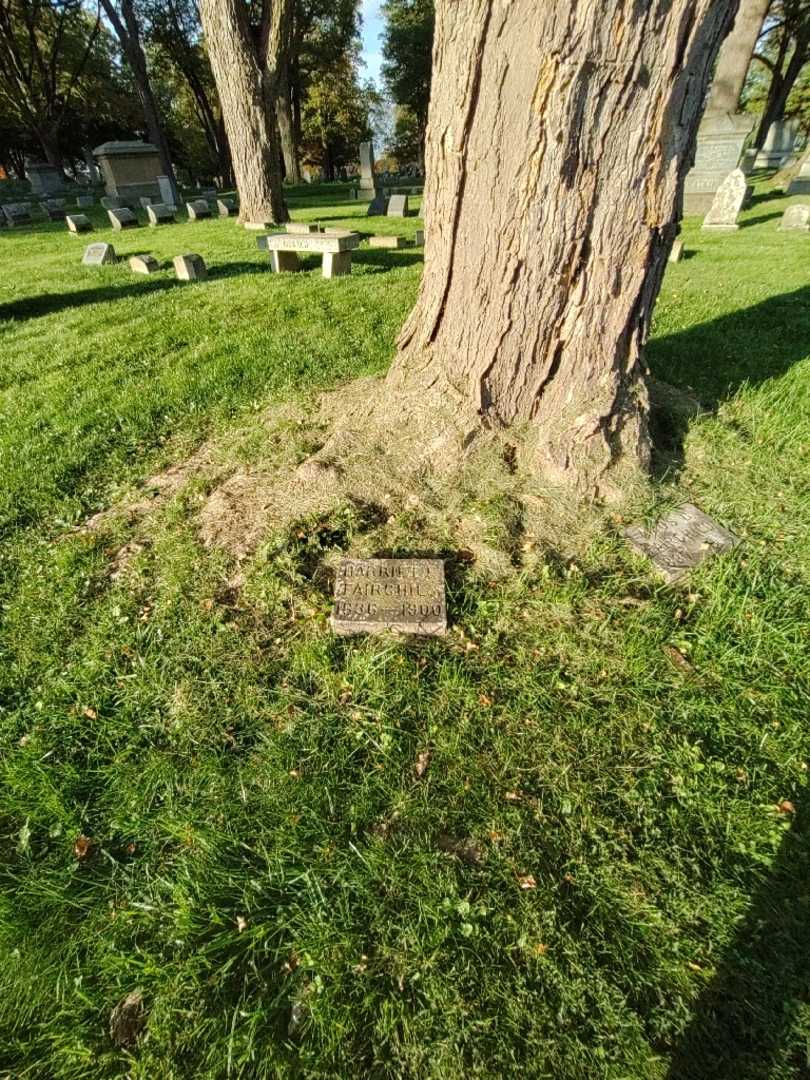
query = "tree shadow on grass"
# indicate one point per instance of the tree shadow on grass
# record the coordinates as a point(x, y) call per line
point(708, 363)
point(746, 223)
point(34, 307)
point(743, 1024)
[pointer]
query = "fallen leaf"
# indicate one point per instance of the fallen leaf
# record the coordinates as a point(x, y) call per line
point(677, 658)
point(786, 807)
point(527, 881)
point(513, 796)
point(540, 949)
point(466, 850)
point(485, 700)
point(127, 1019)
point(91, 714)
point(82, 847)
point(422, 762)
point(241, 923)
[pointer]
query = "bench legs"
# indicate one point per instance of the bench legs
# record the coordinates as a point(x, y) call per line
point(284, 260)
point(336, 263)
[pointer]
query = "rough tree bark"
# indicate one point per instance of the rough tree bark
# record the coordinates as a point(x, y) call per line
point(241, 82)
point(128, 32)
point(558, 139)
point(735, 57)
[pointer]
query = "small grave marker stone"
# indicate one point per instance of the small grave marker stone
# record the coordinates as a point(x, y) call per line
point(676, 251)
point(122, 218)
point(190, 268)
point(54, 208)
point(405, 595)
point(99, 255)
point(301, 228)
point(226, 207)
point(398, 206)
point(198, 209)
point(387, 242)
point(78, 223)
point(419, 238)
point(17, 213)
point(377, 206)
point(160, 214)
point(796, 218)
point(144, 264)
point(681, 541)
point(728, 201)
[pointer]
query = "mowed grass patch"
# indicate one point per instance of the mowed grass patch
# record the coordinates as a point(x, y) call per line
point(569, 840)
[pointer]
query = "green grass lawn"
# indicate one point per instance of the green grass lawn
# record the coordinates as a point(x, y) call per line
point(603, 869)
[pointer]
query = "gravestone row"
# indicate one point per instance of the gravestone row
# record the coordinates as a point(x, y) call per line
point(188, 267)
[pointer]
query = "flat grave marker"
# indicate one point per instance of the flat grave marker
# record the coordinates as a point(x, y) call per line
point(190, 267)
point(122, 218)
point(226, 208)
point(17, 213)
point(78, 223)
point(160, 214)
point(387, 242)
point(404, 595)
point(681, 541)
point(99, 254)
point(302, 228)
point(398, 206)
point(796, 218)
point(197, 210)
point(144, 264)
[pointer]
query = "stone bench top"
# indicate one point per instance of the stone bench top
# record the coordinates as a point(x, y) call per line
point(319, 242)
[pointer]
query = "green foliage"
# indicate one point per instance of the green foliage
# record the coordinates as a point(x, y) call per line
point(597, 874)
point(407, 46)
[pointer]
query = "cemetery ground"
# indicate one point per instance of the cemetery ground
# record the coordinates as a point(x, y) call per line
point(570, 839)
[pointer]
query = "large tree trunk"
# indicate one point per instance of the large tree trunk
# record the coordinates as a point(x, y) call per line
point(735, 57)
point(129, 34)
point(558, 140)
point(286, 129)
point(250, 126)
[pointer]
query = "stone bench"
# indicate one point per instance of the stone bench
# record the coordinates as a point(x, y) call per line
point(336, 250)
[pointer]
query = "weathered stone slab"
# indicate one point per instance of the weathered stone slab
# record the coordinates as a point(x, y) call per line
point(99, 255)
point(319, 243)
point(676, 251)
point(160, 214)
point(377, 206)
point(54, 208)
point(123, 218)
point(796, 218)
point(17, 213)
point(800, 184)
point(302, 228)
point(728, 201)
point(336, 263)
point(198, 209)
point(387, 242)
point(419, 238)
point(405, 595)
point(398, 206)
point(190, 268)
point(78, 223)
point(144, 264)
point(719, 145)
point(168, 191)
point(681, 541)
point(227, 208)
point(367, 182)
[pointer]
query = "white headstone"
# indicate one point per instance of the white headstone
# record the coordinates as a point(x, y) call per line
point(796, 218)
point(728, 201)
point(190, 268)
point(99, 255)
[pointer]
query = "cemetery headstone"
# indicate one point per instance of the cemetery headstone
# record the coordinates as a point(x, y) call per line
point(168, 191)
point(299, 228)
point(404, 595)
point(45, 179)
point(676, 251)
point(387, 242)
point(130, 168)
point(17, 213)
point(84, 202)
point(78, 223)
point(377, 206)
point(398, 206)
point(681, 541)
point(719, 146)
point(99, 255)
point(800, 184)
point(160, 214)
point(190, 268)
point(728, 201)
point(54, 211)
point(367, 182)
point(796, 218)
point(144, 264)
point(122, 218)
point(226, 207)
point(419, 238)
point(198, 209)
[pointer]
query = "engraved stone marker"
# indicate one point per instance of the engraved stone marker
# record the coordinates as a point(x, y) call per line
point(168, 191)
point(143, 264)
point(160, 214)
point(226, 207)
point(728, 201)
point(190, 268)
point(796, 218)
point(123, 218)
point(719, 145)
point(198, 210)
point(406, 595)
point(99, 255)
point(17, 213)
point(676, 252)
point(302, 228)
point(398, 206)
point(78, 223)
point(387, 242)
point(681, 541)
point(367, 167)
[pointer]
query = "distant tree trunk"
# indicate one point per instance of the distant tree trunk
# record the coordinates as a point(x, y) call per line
point(250, 125)
point(286, 129)
point(782, 82)
point(49, 141)
point(558, 140)
point(278, 75)
point(128, 32)
point(734, 57)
